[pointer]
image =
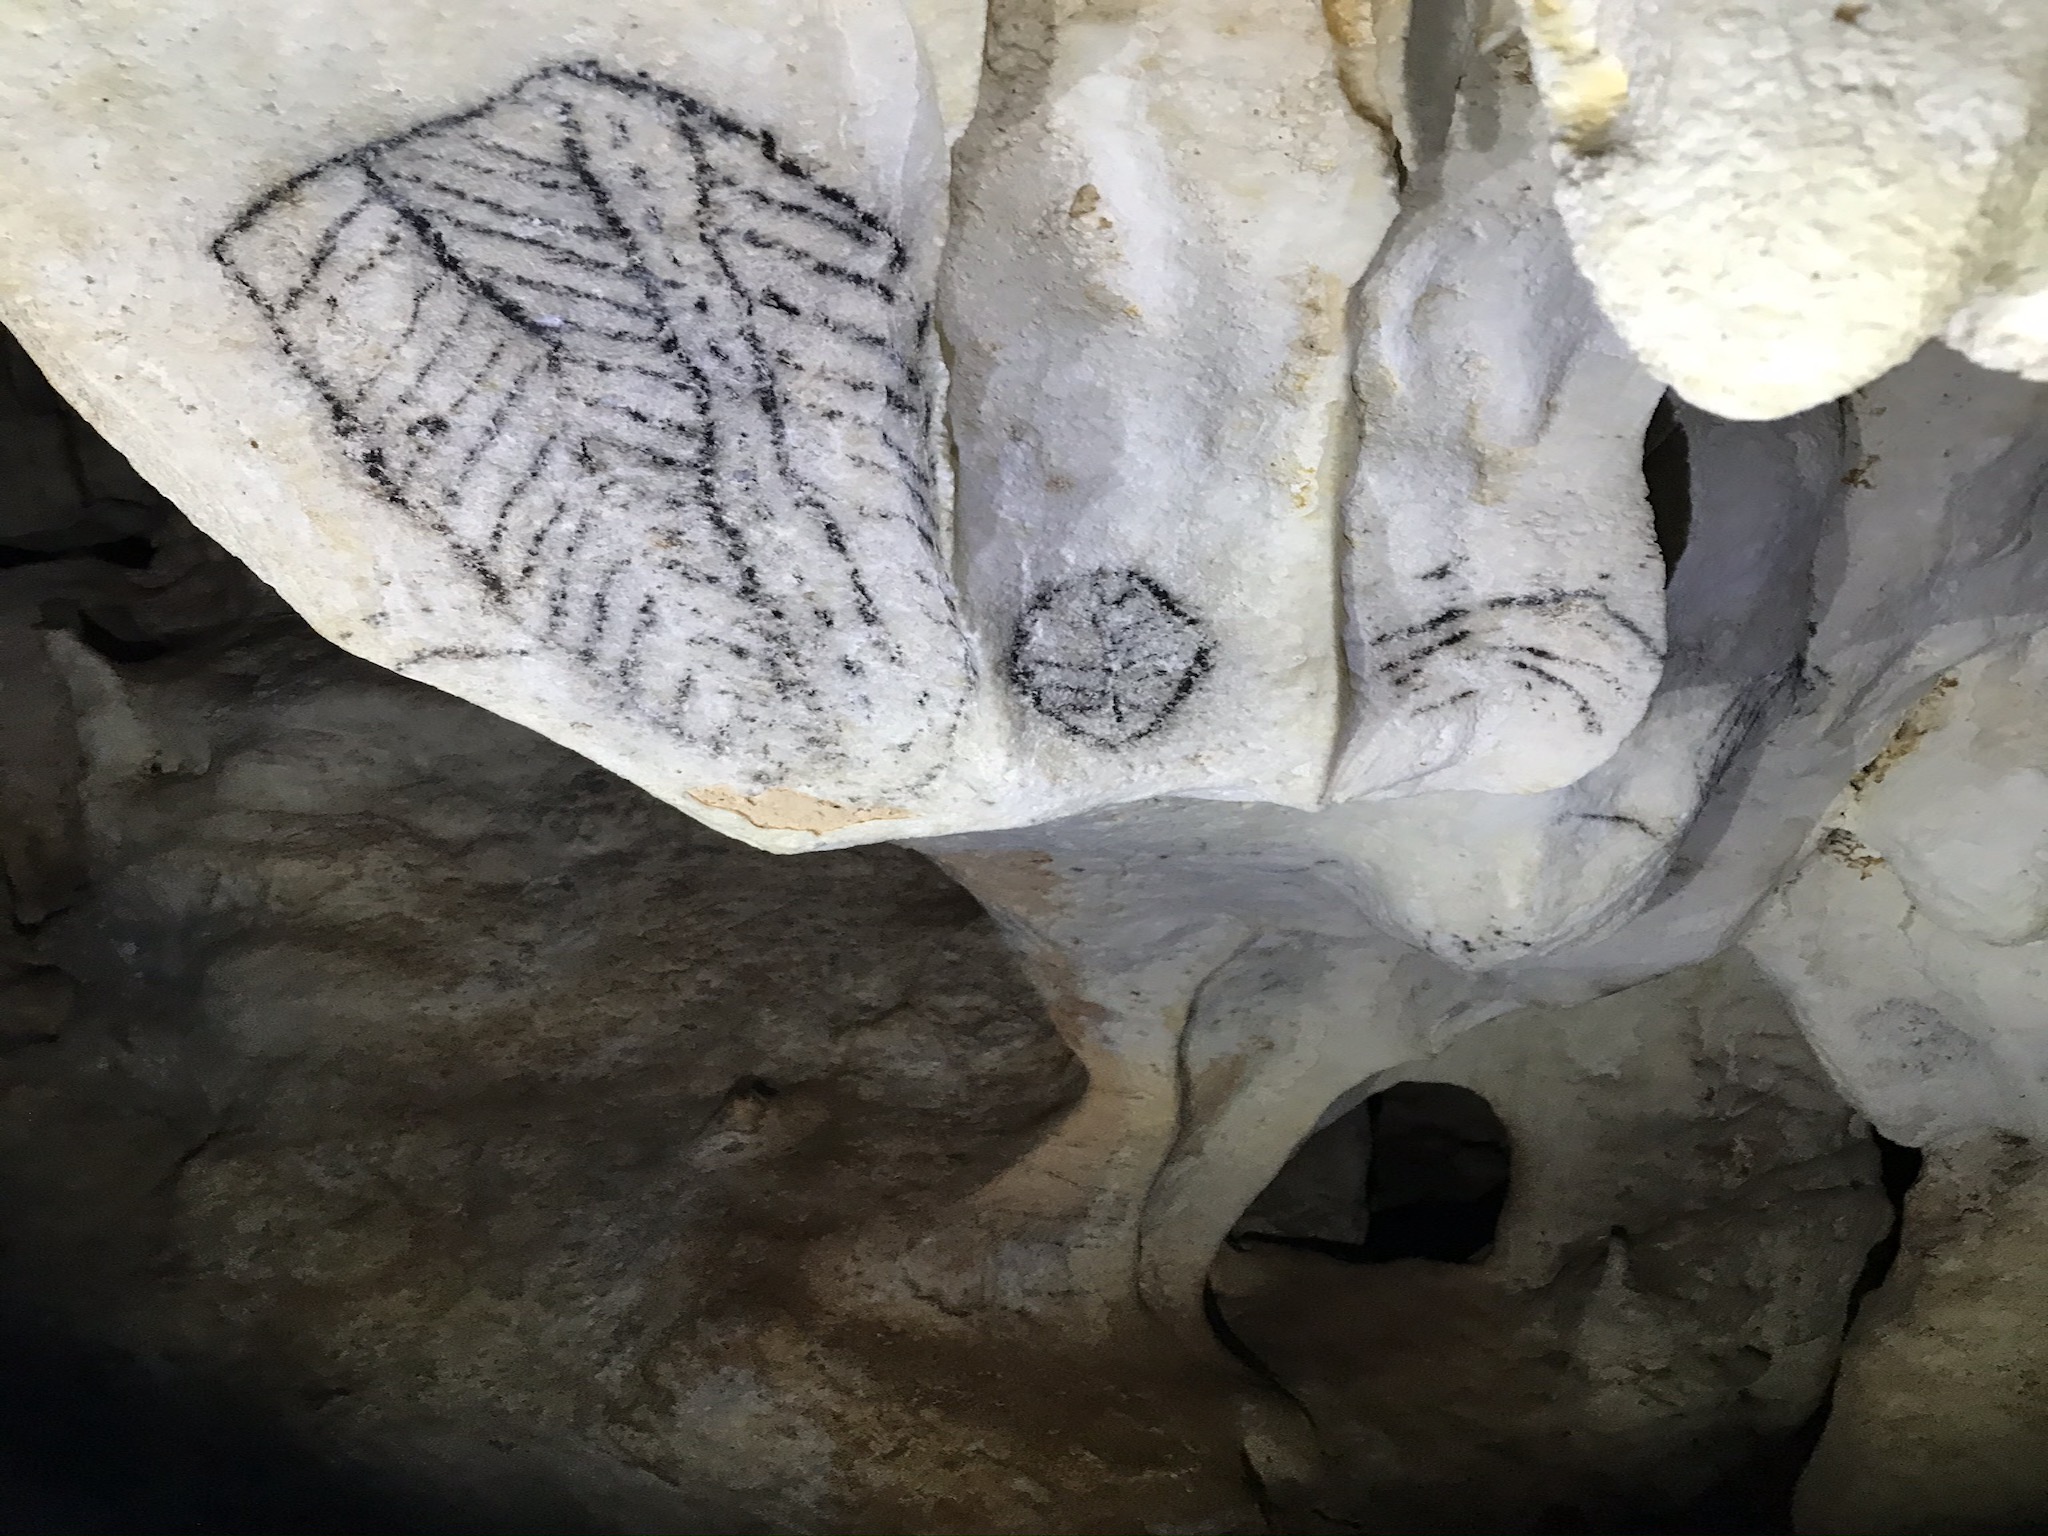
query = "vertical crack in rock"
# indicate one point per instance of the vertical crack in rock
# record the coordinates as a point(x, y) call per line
point(1667, 482)
point(1108, 656)
point(659, 387)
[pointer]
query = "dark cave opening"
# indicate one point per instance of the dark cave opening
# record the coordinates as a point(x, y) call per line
point(1417, 1171)
point(1667, 481)
point(132, 551)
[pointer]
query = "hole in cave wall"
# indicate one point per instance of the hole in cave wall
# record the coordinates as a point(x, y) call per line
point(1419, 1345)
point(1667, 481)
point(1417, 1171)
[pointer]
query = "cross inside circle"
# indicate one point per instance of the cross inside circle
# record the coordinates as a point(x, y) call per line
point(1107, 656)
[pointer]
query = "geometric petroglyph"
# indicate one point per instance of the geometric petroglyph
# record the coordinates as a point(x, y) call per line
point(660, 388)
point(1108, 656)
point(1540, 643)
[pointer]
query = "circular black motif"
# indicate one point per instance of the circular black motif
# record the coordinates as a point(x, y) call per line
point(1108, 656)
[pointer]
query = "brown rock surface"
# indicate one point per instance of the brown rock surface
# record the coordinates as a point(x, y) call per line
point(1940, 1420)
point(406, 1125)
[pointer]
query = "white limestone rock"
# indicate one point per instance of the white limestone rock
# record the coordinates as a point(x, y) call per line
point(596, 379)
point(1778, 200)
point(1494, 879)
point(1910, 554)
point(1504, 615)
point(1934, 1036)
point(1922, 998)
point(1159, 219)
point(1907, 938)
point(731, 554)
point(589, 376)
point(1838, 561)
point(1958, 807)
point(952, 34)
point(578, 384)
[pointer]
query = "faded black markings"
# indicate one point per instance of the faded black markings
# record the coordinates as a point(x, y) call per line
point(660, 388)
point(1431, 664)
point(1108, 656)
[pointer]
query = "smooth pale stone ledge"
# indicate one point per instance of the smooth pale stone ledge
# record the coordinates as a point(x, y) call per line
point(1160, 219)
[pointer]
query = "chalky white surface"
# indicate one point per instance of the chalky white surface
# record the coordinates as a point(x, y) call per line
point(1504, 612)
point(592, 375)
point(1777, 200)
point(1143, 298)
point(1908, 940)
point(134, 137)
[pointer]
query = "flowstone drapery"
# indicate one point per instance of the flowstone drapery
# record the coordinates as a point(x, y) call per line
point(1363, 536)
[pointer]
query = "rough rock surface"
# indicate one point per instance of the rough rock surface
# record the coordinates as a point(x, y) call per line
point(1777, 201)
point(724, 401)
point(1202, 473)
point(1908, 938)
point(1940, 1422)
point(1657, 1316)
point(466, 1141)
point(448, 1088)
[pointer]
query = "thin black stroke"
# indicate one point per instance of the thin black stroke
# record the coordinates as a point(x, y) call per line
point(1551, 599)
point(1587, 713)
point(323, 253)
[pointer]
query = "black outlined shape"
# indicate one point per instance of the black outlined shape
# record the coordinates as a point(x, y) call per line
point(1107, 656)
point(659, 387)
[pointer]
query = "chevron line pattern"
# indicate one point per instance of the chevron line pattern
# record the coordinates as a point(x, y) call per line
point(660, 388)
